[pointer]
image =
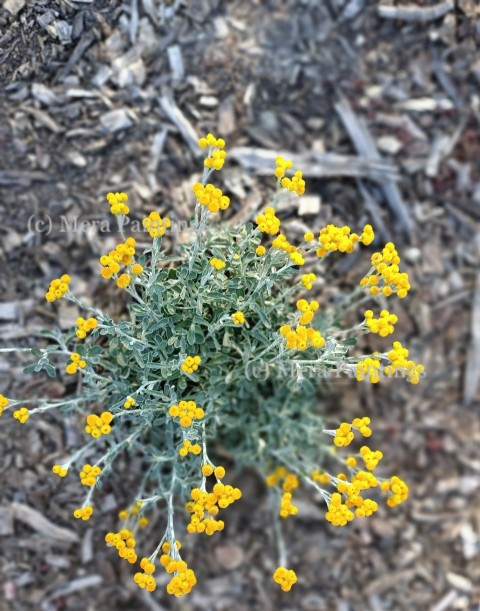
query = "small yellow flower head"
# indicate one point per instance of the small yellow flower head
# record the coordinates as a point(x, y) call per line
point(3, 403)
point(370, 458)
point(285, 578)
point(333, 238)
point(217, 154)
point(297, 258)
point(320, 476)
point(183, 582)
point(58, 288)
point(399, 362)
point(89, 474)
point(260, 251)
point(83, 513)
point(295, 184)
point(308, 280)
point(338, 514)
point(267, 221)
point(217, 263)
point(286, 506)
point(211, 197)
point(238, 318)
point(155, 225)
point(309, 236)
point(207, 470)
point(362, 424)
point(76, 362)
point(124, 542)
point(123, 281)
point(191, 364)
point(282, 166)
point(343, 435)
point(387, 278)
point(143, 522)
point(117, 203)
point(122, 254)
point(301, 338)
point(137, 269)
point(384, 325)
point(397, 489)
point(186, 412)
point(59, 470)
point(130, 402)
point(85, 326)
point(99, 425)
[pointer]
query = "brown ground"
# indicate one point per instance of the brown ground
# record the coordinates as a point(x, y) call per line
point(269, 75)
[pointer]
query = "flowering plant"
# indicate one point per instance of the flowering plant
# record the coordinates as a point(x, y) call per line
point(189, 370)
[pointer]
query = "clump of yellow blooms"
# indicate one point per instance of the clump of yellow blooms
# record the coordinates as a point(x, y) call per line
point(117, 203)
point(204, 506)
point(186, 412)
point(146, 580)
point(388, 279)
point(238, 318)
point(124, 542)
point(184, 578)
point(333, 238)
point(371, 458)
point(59, 470)
point(285, 578)
point(297, 258)
point(344, 434)
point(282, 166)
point(308, 280)
point(99, 425)
point(191, 364)
point(282, 243)
point(58, 288)
point(384, 325)
point(130, 402)
point(3, 403)
point(156, 225)
point(190, 448)
point(89, 474)
point(320, 476)
point(296, 183)
point(397, 489)
point(216, 158)
point(308, 310)
point(83, 513)
point(22, 415)
point(218, 264)
point(268, 222)
point(398, 358)
point(302, 337)
point(371, 367)
point(210, 196)
point(122, 254)
point(85, 326)
point(76, 362)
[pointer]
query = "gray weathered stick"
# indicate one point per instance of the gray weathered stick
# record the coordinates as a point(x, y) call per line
point(416, 13)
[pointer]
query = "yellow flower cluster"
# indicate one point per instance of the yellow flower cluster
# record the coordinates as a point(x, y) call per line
point(59, 470)
point(189, 448)
point(282, 166)
point(333, 238)
point(238, 318)
point(285, 578)
point(397, 489)
point(58, 288)
point(297, 258)
point(295, 184)
point(3, 403)
point(338, 513)
point(22, 415)
point(289, 483)
point(89, 474)
point(117, 203)
point(184, 579)
point(260, 250)
point(124, 514)
point(216, 159)
point(130, 402)
point(282, 243)
point(76, 362)
point(99, 425)
point(308, 280)
point(344, 434)
point(387, 273)
point(122, 254)
point(204, 506)
point(83, 513)
point(384, 325)
point(211, 197)
point(286, 506)
point(146, 580)
point(371, 458)
point(207, 470)
point(398, 358)
point(320, 476)
point(302, 338)
point(267, 221)
point(85, 326)
point(155, 225)
point(217, 263)
point(308, 310)
point(123, 541)
point(190, 364)
point(186, 411)
point(370, 367)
